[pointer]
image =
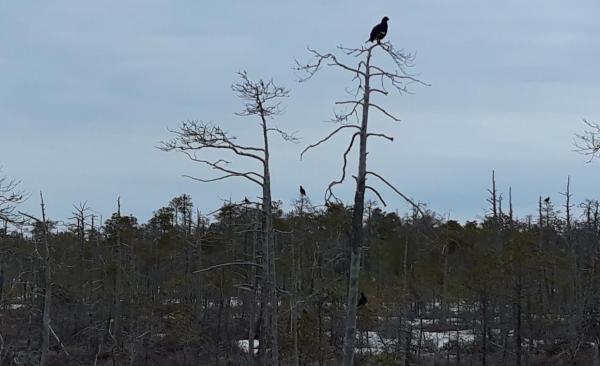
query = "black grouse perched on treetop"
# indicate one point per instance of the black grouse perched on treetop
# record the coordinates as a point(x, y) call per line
point(302, 191)
point(379, 31)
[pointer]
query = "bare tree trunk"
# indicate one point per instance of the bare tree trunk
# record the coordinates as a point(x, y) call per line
point(47, 290)
point(294, 302)
point(118, 258)
point(518, 310)
point(363, 73)
point(269, 248)
point(357, 234)
point(252, 302)
point(484, 330)
point(407, 327)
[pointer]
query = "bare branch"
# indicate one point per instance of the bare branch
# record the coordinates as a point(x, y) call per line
point(230, 172)
point(193, 135)
point(290, 137)
point(385, 112)
point(259, 96)
point(381, 91)
point(219, 178)
point(328, 191)
point(327, 138)
point(59, 341)
point(588, 143)
point(381, 135)
point(311, 69)
point(397, 191)
point(10, 197)
point(377, 193)
point(217, 266)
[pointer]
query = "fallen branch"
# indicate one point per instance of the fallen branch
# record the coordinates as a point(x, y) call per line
point(217, 266)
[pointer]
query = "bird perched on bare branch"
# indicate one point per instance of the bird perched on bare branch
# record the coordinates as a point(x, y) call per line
point(379, 31)
point(302, 191)
point(547, 199)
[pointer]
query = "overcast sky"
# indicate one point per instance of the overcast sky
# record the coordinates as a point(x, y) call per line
point(88, 90)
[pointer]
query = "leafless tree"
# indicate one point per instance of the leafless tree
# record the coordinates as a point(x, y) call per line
point(194, 138)
point(47, 261)
point(588, 142)
point(10, 196)
point(370, 80)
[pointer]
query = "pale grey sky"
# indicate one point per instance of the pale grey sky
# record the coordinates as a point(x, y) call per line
point(88, 90)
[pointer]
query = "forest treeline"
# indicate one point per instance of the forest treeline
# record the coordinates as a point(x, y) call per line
point(182, 289)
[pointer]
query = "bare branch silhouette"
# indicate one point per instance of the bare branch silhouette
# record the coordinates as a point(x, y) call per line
point(588, 143)
point(406, 198)
point(327, 138)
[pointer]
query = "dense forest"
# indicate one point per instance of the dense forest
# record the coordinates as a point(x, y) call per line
point(316, 281)
point(182, 289)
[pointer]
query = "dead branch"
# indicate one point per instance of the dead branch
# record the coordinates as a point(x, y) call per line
point(196, 136)
point(381, 135)
point(217, 266)
point(59, 341)
point(252, 176)
point(328, 191)
point(10, 197)
point(377, 193)
point(258, 95)
point(343, 117)
point(327, 138)
point(397, 191)
point(312, 69)
point(588, 143)
point(286, 136)
point(384, 112)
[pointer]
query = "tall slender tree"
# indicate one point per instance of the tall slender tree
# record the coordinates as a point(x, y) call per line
point(193, 138)
point(371, 79)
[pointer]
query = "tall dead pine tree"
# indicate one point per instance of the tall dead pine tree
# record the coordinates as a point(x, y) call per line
point(46, 261)
point(194, 138)
point(371, 80)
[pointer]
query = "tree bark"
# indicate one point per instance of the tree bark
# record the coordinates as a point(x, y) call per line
point(357, 234)
point(47, 290)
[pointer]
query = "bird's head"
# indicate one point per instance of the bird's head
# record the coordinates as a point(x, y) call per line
point(385, 19)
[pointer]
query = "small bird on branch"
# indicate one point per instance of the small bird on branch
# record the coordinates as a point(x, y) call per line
point(379, 31)
point(302, 191)
point(547, 199)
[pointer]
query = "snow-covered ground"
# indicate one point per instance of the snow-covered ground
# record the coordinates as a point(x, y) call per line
point(373, 343)
point(441, 339)
point(243, 344)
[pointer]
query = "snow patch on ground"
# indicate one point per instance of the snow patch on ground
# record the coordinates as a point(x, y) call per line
point(373, 343)
point(243, 344)
point(442, 339)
